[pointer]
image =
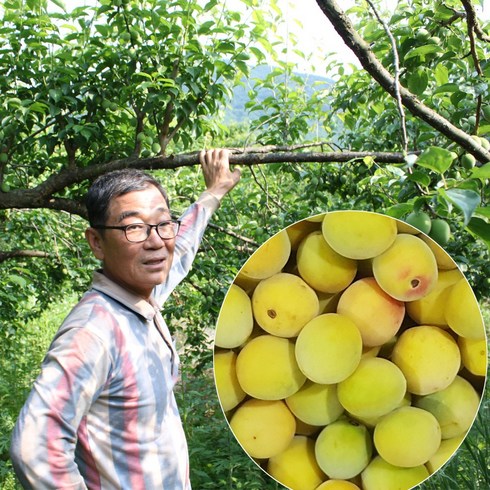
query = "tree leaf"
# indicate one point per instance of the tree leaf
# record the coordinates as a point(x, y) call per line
point(464, 199)
point(483, 211)
point(18, 280)
point(420, 177)
point(441, 74)
point(399, 210)
point(482, 172)
point(480, 228)
point(418, 81)
point(436, 159)
point(422, 51)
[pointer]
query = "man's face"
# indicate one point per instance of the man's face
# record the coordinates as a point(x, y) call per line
point(138, 267)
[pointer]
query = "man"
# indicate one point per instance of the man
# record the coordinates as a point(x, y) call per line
point(102, 413)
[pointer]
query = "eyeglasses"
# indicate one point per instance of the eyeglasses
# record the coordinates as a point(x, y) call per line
point(139, 232)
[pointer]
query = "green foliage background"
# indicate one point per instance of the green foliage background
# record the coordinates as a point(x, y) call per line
point(134, 79)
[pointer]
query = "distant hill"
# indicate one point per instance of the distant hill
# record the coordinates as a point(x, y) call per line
point(236, 112)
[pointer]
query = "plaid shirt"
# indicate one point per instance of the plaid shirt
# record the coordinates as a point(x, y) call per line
point(102, 413)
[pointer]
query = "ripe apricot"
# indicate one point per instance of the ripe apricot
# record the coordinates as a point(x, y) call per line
point(269, 258)
point(407, 271)
point(264, 428)
point(283, 304)
point(428, 357)
point(321, 267)
point(358, 234)
point(235, 320)
point(377, 315)
point(395, 441)
point(266, 368)
point(329, 348)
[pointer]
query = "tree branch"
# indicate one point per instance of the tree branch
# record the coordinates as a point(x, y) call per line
point(374, 67)
point(16, 254)
point(396, 67)
point(473, 21)
point(44, 195)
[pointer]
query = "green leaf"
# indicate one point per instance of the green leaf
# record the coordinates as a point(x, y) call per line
point(480, 228)
point(464, 199)
point(55, 94)
point(422, 51)
point(436, 159)
point(419, 177)
point(418, 81)
point(447, 88)
point(399, 210)
point(18, 280)
point(483, 211)
point(59, 4)
point(205, 27)
point(482, 172)
point(441, 74)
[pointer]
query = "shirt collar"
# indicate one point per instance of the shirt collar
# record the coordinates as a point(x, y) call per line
point(135, 303)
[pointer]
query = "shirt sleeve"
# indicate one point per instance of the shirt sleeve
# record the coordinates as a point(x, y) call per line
point(45, 436)
point(193, 224)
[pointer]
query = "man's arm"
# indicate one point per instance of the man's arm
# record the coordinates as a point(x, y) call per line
point(45, 436)
point(219, 180)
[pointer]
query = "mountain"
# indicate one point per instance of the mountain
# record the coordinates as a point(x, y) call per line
point(236, 111)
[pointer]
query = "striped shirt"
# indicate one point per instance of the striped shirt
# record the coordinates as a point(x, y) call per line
point(102, 413)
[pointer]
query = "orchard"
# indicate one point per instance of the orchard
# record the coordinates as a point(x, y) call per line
point(90, 87)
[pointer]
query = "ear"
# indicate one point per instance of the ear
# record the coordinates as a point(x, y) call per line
point(95, 242)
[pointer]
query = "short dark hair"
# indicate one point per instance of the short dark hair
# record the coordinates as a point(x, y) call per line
point(114, 184)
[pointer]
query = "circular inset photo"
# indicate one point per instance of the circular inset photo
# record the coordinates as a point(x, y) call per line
point(350, 353)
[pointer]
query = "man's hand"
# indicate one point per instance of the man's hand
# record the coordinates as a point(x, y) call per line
point(218, 177)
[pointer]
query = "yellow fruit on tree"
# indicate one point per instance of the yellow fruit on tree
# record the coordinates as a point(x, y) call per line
point(321, 267)
point(329, 348)
point(454, 407)
point(230, 392)
point(428, 357)
point(296, 466)
point(235, 320)
point(283, 304)
point(269, 258)
point(343, 449)
point(358, 234)
point(266, 368)
point(381, 475)
point(407, 271)
point(463, 313)
point(377, 315)
point(407, 437)
point(315, 404)
point(263, 428)
point(374, 389)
